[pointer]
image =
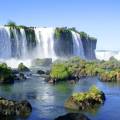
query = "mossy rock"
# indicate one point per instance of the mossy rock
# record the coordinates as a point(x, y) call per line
point(14, 108)
point(23, 68)
point(85, 100)
point(42, 62)
point(59, 72)
point(6, 75)
point(73, 116)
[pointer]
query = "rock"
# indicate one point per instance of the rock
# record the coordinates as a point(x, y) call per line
point(72, 81)
point(15, 71)
point(108, 76)
point(6, 75)
point(22, 76)
point(73, 116)
point(42, 62)
point(85, 100)
point(118, 76)
point(19, 76)
point(14, 108)
point(23, 68)
point(40, 72)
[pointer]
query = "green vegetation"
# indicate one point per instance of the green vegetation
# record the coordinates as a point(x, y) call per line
point(75, 68)
point(85, 36)
point(59, 72)
point(10, 109)
point(84, 100)
point(31, 40)
point(93, 93)
point(29, 31)
point(11, 24)
point(63, 33)
point(5, 73)
point(63, 41)
point(22, 67)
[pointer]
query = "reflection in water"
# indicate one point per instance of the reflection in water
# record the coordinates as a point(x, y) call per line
point(48, 100)
point(5, 88)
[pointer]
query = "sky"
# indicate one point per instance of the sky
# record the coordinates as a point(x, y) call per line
point(98, 18)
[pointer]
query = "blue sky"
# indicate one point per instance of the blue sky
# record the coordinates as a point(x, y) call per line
point(99, 18)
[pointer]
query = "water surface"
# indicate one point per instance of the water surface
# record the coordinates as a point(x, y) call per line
point(48, 100)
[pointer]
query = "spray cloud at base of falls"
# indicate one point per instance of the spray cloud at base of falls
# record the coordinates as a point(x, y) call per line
point(27, 43)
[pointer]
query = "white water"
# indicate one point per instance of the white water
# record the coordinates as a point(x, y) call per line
point(24, 44)
point(105, 55)
point(5, 44)
point(45, 46)
point(14, 50)
point(77, 45)
point(13, 62)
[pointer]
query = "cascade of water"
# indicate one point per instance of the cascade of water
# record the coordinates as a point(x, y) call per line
point(14, 44)
point(77, 45)
point(45, 39)
point(5, 43)
point(24, 44)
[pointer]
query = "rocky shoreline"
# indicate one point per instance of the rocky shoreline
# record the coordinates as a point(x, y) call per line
point(14, 108)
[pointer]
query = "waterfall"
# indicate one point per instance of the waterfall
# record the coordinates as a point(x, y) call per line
point(29, 43)
point(24, 43)
point(107, 54)
point(5, 43)
point(45, 40)
point(77, 45)
point(14, 43)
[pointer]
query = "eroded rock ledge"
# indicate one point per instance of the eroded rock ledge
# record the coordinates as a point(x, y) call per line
point(85, 100)
point(14, 108)
point(73, 116)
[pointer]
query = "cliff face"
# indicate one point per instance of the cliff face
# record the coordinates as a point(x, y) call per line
point(63, 42)
point(89, 45)
point(30, 42)
point(89, 48)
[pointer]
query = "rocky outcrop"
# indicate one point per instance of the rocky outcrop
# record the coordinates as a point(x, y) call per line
point(6, 75)
point(73, 116)
point(31, 42)
point(14, 108)
point(42, 62)
point(84, 101)
point(89, 46)
point(23, 68)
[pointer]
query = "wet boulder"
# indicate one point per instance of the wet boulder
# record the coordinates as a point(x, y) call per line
point(85, 100)
point(14, 108)
point(73, 116)
point(23, 68)
point(40, 72)
point(42, 62)
point(6, 75)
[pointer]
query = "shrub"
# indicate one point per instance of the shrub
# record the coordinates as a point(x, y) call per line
point(59, 71)
point(22, 67)
point(5, 73)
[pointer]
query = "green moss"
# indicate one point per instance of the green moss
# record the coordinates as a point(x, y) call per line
point(59, 72)
point(77, 68)
point(30, 36)
point(85, 36)
point(93, 93)
point(63, 41)
point(108, 76)
point(5, 73)
point(11, 24)
point(22, 67)
point(63, 33)
point(85, 100)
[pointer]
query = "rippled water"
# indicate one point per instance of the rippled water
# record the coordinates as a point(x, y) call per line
point(48, 100)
